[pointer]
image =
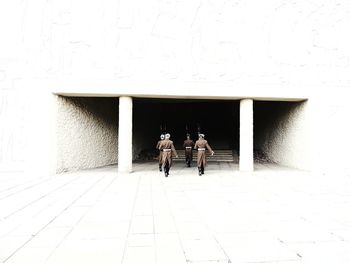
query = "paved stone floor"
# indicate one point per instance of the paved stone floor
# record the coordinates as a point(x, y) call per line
point(272, 215)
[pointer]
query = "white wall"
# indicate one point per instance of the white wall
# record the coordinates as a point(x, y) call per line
point(27, 117)
point(263, 49)
point(331, 129)
point(87, 132)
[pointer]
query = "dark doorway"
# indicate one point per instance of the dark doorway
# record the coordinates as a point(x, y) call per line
point(217, 119)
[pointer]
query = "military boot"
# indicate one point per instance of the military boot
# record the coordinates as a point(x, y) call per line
point(160, 168)
point(166, 170)
point(202, 169)
point(199, 171)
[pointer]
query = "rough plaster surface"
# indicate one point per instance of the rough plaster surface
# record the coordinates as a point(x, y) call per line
point(282, 133)
point(87, 132)
point(268, 49)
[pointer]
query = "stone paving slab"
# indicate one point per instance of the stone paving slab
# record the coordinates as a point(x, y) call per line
point(275, 214)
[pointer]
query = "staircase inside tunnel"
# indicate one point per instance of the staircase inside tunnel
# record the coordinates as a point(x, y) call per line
point(217, 119)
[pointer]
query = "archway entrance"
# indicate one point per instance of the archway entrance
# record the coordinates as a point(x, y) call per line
point(90, 134)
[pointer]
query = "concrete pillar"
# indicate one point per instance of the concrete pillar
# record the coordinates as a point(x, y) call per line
point(246, 157)
point(125, 135)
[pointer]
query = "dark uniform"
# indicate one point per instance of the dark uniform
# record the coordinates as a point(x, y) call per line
point(167, 146)
point(160, 153)
point(188, 145)
point(201, 145)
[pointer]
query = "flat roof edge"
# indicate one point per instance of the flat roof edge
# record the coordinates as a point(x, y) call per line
point(179, 96)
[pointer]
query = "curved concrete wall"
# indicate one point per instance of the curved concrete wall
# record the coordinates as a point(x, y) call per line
point(87, 132)
point(282, 133)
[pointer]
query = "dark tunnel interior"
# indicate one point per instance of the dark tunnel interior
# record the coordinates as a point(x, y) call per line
point(217, 119)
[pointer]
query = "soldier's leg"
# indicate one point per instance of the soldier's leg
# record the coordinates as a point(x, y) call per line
point(160, 162)
point(187, 156)
point(202, 168)
point(166, 168)
point(199, 169)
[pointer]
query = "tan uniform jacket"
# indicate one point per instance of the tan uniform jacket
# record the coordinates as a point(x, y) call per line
point(168, 151)
point(202, 144)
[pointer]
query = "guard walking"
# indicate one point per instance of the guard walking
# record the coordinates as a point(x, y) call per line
point(160, 152)
point(188, 145)
point(201, 145)
point(167, 146)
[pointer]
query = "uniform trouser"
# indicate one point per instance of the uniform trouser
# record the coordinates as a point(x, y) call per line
point(166, 167)
point(188, 155)
point(201, 161)
point(167, 161)
point(160, 161)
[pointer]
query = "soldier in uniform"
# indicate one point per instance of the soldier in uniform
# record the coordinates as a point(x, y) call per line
point(160, 152)
point(167, 146)
point(188, 145)
point(201, 146)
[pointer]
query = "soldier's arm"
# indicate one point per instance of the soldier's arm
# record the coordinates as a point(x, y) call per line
point(209, 148)
point(174, 151)
point(195, 146)
point(158, 144)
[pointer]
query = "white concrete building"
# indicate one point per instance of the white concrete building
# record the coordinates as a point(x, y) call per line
point(84, 84)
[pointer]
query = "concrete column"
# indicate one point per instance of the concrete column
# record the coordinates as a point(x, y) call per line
point(246, 158)
point(125, 135)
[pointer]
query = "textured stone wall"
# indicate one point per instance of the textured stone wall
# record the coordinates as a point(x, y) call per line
point(87, 133)
point(282, 133)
